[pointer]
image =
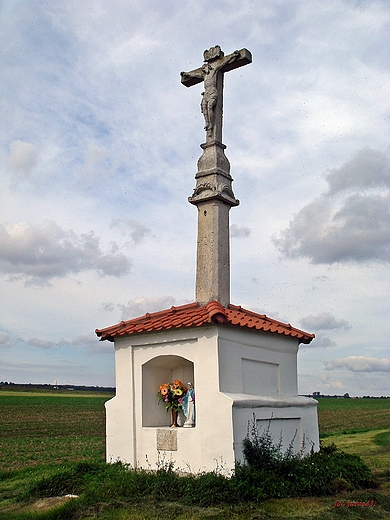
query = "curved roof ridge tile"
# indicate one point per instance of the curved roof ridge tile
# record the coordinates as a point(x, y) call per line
point(216, 312)
point(195, 315)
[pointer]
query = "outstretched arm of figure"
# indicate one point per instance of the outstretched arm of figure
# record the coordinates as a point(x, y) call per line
point(229, 59)
point(192, 78)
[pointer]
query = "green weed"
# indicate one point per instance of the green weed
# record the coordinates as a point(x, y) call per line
point(383, 439)
point(269, 472)
point(72, 481)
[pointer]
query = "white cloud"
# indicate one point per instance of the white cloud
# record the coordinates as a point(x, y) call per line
point(42, 253)
point(34, 342)
point(366, 169)
point(23, 157)
point(135, 229)
point(360, 364)
point(140, 306)
point(239, 231)
point(4, 339)
point(338, 384)
point(320, 341)
point(108, 306)
point(330, 384)
point(89, 342)
point(324, 321)
point(351, 229)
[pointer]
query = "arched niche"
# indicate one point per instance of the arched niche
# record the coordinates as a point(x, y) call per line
point(161, 369)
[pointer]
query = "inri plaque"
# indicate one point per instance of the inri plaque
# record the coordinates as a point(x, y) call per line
point(167, 440)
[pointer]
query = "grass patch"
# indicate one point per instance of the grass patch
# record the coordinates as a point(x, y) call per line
point(115, 492)
point(39, 428)
point(352, 415)
point(382, 439)
point(372, 446)
point(52, 444)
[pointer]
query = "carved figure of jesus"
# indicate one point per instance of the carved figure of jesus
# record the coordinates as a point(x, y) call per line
point(211, 73)
point(210, 94)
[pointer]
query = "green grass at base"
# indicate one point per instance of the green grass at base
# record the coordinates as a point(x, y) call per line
point(372, 446)
point(42, 434)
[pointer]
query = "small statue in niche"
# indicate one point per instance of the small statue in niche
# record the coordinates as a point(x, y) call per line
point(188, 407)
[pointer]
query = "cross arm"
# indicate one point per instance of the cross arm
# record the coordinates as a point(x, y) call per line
point(232, 61)
point(244, 57)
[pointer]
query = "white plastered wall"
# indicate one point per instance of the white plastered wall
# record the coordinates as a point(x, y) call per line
point(236, 372)
point(129, 436)
point(257, 363)
point(258, 371)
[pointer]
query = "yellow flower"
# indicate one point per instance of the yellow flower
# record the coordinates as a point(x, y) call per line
point(178, 391)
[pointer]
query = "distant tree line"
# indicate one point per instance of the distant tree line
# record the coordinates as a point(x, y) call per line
point(318, 395)
point(30, 386)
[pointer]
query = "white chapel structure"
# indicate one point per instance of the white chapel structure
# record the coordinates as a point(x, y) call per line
point(242, 365)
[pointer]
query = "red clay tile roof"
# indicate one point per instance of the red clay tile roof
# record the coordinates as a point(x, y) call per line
point(196, 315)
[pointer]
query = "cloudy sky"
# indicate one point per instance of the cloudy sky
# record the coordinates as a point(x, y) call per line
point(99, 143)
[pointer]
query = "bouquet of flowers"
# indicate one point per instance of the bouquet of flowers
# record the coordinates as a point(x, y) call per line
point(171, 394)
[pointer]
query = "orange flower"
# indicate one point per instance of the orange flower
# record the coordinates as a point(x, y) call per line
point(177, 382)
point(163, 389)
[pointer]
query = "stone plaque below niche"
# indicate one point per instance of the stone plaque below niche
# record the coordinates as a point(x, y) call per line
point(167, 440)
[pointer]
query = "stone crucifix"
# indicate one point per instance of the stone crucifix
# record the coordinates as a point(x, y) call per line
point(212, 74)
point(213, 194)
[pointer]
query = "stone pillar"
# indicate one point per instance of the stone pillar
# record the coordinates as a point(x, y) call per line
point(213, 196)
point(213, 259)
